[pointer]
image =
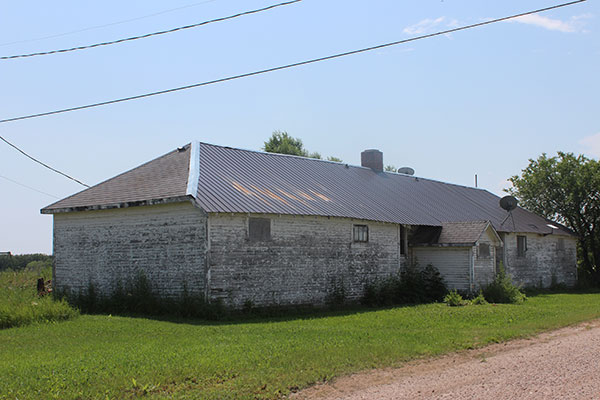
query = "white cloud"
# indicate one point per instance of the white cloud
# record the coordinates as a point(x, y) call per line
point(453, 24)
point(423, 26)
point(573, 24)
point(591, 144)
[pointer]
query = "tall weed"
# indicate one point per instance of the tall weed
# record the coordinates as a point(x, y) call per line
point(20, 303)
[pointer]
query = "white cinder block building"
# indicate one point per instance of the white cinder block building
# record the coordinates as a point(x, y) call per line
point(274, 229)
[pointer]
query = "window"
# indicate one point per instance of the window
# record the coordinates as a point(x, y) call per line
point(483, 250)
point(259, 229)
point(560, 245)
point(402, 240)
point(361, 233)
point(521, 246)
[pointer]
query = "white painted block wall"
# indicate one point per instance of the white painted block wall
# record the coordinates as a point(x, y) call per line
point(166, 242)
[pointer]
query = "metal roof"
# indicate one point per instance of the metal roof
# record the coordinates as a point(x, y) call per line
point(242, 181)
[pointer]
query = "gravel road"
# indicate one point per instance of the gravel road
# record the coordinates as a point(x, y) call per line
point(563, 364)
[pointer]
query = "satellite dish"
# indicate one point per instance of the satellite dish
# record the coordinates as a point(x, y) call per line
point(508, 203)
point(406, 170)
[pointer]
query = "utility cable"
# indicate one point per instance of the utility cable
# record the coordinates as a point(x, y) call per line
point(107, 25)
point(28, 187)
point(44, 53)
point(41, 163)
point(297, 64)
point(315, 60)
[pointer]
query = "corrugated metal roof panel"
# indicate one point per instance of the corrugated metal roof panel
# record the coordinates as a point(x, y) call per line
point(242, 181)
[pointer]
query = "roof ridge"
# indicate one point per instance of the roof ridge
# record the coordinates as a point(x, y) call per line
point(267, 153)
point(482, 221)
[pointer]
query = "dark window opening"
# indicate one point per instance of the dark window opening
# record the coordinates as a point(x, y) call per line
point(259, 229)
point(483, 250)
point(521, 246)
point(361, 233)
point(402, 240)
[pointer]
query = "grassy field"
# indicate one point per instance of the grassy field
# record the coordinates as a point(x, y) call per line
point(118, 357)
point(20, 304)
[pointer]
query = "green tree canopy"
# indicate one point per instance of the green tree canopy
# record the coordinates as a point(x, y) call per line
point(281, 142)
point(566, 188)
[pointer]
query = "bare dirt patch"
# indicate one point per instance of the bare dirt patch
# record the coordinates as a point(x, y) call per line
point(562, 364)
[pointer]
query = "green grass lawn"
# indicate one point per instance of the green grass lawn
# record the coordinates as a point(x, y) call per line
point(118, 357)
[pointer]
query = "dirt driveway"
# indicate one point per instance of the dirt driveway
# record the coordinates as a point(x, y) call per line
point(563, 364)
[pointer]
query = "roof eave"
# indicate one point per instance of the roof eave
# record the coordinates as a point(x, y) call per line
point(126, 204)
point(470, 244)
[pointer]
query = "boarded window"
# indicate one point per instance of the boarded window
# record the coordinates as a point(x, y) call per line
point(483, 250)
point(259, 229)
point(560, 245)
point(361, 233)
point(521, 246)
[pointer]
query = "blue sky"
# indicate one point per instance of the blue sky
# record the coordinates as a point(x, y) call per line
point(481, 101)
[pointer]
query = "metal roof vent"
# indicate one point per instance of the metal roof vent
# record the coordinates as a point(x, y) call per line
point(406, 171)
point(373, 159)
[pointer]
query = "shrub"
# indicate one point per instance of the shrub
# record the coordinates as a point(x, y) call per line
point(479, 299)
point(337, 293)
point(454, 299)
point(434, 285)
point(502, 290)
point(411, 286)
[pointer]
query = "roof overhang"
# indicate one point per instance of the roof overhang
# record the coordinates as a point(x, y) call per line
point(127, 204)
point(442, 244)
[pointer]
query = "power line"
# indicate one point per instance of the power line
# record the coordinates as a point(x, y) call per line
point(29, 187)
point(297, 64)
point(41, 163)
point(147, 35)
point(315, 60)
point(107, 25)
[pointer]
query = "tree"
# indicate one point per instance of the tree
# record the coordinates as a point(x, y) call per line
point(281, 142)
point(566, 188)
point(335, 159)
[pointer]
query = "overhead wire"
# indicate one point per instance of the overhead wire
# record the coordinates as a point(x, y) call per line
point(42, 163)
point(28, 187)
point(287, 66)
point(107, 25)
point(147, 35)
point(259, 72)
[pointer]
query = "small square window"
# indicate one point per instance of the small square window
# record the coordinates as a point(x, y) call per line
point(560, 245)
point(361, 233)
point(483, 250)
point(259, 229)
point(521, 246)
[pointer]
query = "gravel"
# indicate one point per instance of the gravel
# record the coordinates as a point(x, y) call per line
point(563, 364)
